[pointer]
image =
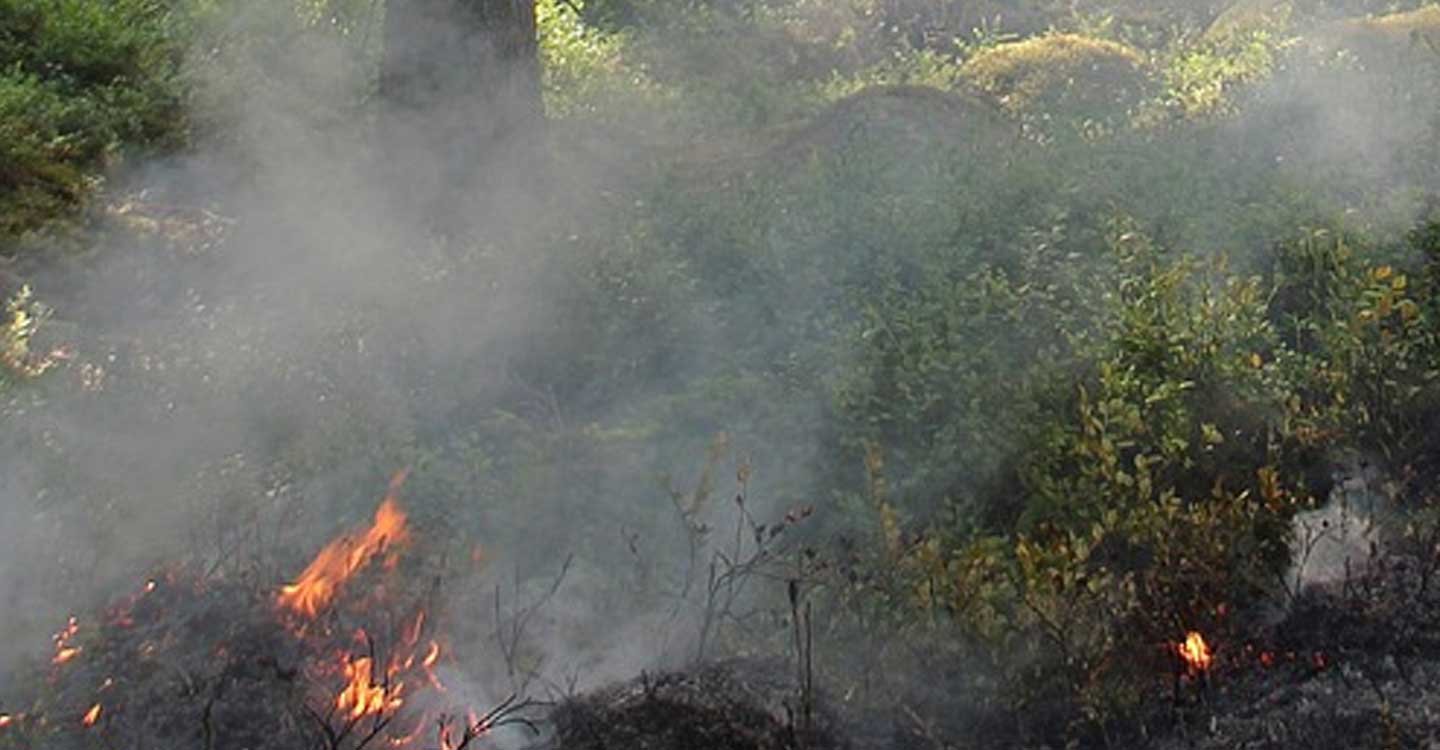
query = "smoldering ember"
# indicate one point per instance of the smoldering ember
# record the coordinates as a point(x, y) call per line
point(719, 374)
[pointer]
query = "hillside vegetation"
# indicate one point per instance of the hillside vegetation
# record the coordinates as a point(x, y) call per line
point(1015, 337)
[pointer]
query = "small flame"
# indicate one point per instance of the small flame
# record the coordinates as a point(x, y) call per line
point(63, 650)
point(63, 655)
point(92, 716)
point(313, 591)
point(1195, 651)
point(362, 694)
point(6, 720)
point(432, 655)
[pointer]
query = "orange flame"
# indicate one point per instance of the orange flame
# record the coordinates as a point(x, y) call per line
point(1195, 652)
point(432, 655)
point(363, 695)
point(63, 655)
point(92, 716)
point(316, 588)
point(63, 650)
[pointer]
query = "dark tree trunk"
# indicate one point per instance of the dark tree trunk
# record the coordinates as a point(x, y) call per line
point(460, 91)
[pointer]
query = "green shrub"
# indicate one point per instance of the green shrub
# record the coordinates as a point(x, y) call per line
point(1202, 79)
point(1061, 79)
point(585, 69)
point(1366, 354)
point(1158, 492)
point(42, 149)
point(83, 78)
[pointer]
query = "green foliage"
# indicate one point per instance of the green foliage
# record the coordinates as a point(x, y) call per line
point(1201, 78)
point(1057, 81)
point(1366, 344)
point(1096, 430)
point(1158, 497)
point(950, 380)
point(82, 78)
point(41, 174)
point(906, 68)
point(585, 69)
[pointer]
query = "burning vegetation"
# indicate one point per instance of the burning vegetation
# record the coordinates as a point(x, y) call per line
point(351, 654)
point(1113, 516)
point(1195, 652)
point(316, 588)
point(333, 661)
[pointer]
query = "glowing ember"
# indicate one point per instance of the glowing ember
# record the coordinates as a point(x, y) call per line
point(63, 650)
point(92, 716)
point(1195, 652)
point(338, 561)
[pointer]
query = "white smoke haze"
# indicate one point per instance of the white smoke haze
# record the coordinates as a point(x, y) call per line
point(1340, 541)
point(258, 393)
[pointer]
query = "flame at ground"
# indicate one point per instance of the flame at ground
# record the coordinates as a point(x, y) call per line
point(316, 588)
point(1195, 651)
point(64, 651)
point(392, 681)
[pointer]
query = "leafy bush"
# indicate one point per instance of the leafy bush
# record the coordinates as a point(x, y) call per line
point(1157, 493)
point(1201, 78)
point(1366, 352)
point(83, 77)
point(585, 69)
point(1061, 80)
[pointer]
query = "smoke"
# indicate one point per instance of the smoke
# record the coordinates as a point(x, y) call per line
point(1339, 541)
point(247, 395)
point(307, 341)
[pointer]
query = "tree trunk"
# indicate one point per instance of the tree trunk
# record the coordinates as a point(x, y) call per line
point(460, 98)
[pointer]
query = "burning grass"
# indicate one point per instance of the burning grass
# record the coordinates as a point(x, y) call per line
point(341, 659)
point(316, 588)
